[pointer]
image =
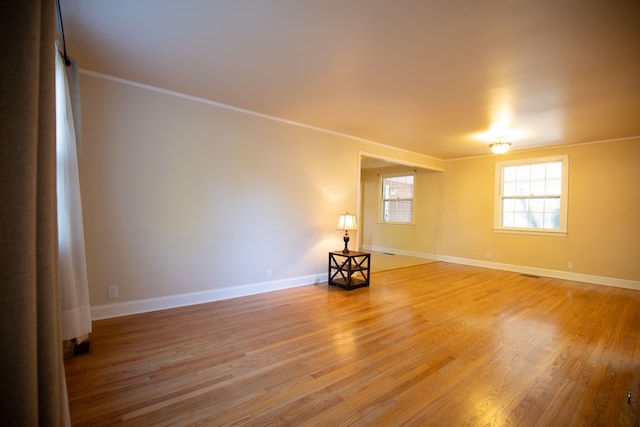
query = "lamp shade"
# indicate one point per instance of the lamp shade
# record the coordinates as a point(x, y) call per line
point(347, 222)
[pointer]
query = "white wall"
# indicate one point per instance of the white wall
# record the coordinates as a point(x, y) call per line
point(182, 196)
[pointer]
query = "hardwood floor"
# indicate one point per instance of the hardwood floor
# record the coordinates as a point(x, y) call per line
point(435, 344)
point(382, 261)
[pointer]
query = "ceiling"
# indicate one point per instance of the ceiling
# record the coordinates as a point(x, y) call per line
point(437, 77)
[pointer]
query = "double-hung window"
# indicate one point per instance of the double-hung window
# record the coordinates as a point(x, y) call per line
point(396, 202)
point(531, 195)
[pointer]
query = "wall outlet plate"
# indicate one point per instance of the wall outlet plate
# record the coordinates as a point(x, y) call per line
point(112, 292)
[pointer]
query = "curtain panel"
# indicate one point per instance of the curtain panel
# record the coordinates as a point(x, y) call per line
point(76, 309)
point(32, 391)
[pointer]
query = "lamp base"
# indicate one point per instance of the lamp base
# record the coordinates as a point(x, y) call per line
point(346, 242)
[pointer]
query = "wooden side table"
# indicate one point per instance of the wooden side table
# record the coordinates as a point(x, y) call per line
point(349, 270)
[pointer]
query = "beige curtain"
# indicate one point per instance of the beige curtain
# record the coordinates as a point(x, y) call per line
point(31, 369)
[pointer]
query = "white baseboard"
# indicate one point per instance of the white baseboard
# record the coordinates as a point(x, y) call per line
point(172, 301)
point(567, 275)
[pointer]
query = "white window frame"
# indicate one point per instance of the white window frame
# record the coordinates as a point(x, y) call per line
point(381, 198)
point(564, 197)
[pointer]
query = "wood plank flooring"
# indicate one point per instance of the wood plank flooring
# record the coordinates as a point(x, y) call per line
point(436, 344)
point(382, 261)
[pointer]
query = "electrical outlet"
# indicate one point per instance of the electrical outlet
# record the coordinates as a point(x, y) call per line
point(269, 273)
point(570, 265)
point(112, 292)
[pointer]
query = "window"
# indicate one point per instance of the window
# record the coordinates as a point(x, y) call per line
point(531, 195)
point(397, 198)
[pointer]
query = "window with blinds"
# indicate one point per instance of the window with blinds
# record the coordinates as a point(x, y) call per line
point(397, 199)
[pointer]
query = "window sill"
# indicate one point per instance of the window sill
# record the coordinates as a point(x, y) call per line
point(531, 232)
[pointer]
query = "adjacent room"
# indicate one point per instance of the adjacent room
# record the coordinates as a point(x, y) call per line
point(360, 213)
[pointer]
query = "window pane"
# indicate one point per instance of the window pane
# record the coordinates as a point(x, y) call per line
point(552, 204)
point(509, 174)
point(508, 205)
point(536, 205)
point(552, 220)
point(521, 220)
point(509, 189)
point(398, 210)
point(523, 188)
point(523, 172)
point(554, 170)
point(554, 186)
point(538, 187)
point(398, 187)
point(521, 205)
point(535, 219)
point(508, 220)
point(538, 171)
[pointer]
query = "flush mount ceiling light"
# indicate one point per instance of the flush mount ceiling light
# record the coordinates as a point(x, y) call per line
point(500, 146)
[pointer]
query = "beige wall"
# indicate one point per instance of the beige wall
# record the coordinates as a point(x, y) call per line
point(425, 234)
point(603, 213)
point(454, 214)
point(182, 196)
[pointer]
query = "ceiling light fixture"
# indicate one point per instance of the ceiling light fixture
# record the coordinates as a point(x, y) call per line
point(500, 146)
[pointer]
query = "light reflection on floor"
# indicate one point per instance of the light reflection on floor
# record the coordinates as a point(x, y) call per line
point(381, 261)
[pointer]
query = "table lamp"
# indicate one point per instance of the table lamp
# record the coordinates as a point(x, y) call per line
point(347, 222)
